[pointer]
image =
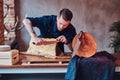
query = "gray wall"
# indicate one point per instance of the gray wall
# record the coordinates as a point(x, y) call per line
point(93, 16)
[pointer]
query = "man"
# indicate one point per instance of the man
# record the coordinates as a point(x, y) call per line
point(58, 27)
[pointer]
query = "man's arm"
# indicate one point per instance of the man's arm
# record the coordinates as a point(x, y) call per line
point(32, 33)
point(29, 28)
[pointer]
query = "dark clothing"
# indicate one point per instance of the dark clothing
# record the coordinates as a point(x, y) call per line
point(48, 28)
point(98, 67)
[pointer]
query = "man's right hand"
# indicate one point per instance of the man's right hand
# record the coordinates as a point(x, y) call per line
point(38, 41)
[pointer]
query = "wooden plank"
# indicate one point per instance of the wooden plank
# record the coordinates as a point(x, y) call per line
point(39, 60)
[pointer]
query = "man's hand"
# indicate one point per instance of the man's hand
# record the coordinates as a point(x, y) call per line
point(38, 41)
point(62, 39)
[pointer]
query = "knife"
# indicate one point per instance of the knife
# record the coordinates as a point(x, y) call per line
point(77, 44)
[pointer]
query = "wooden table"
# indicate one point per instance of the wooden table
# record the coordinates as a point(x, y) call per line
point(43, 67)
point(35, 64)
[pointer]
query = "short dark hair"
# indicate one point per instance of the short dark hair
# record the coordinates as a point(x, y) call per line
point(66, 14)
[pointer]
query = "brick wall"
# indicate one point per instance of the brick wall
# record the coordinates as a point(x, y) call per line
point(1, 23)
point(9, 20)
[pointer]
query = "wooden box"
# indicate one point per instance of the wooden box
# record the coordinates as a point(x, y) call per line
point(9, 57)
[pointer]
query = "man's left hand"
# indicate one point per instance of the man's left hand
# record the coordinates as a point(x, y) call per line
point(62, 39)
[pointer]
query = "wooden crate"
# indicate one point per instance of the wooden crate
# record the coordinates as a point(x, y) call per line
point(9, 57)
